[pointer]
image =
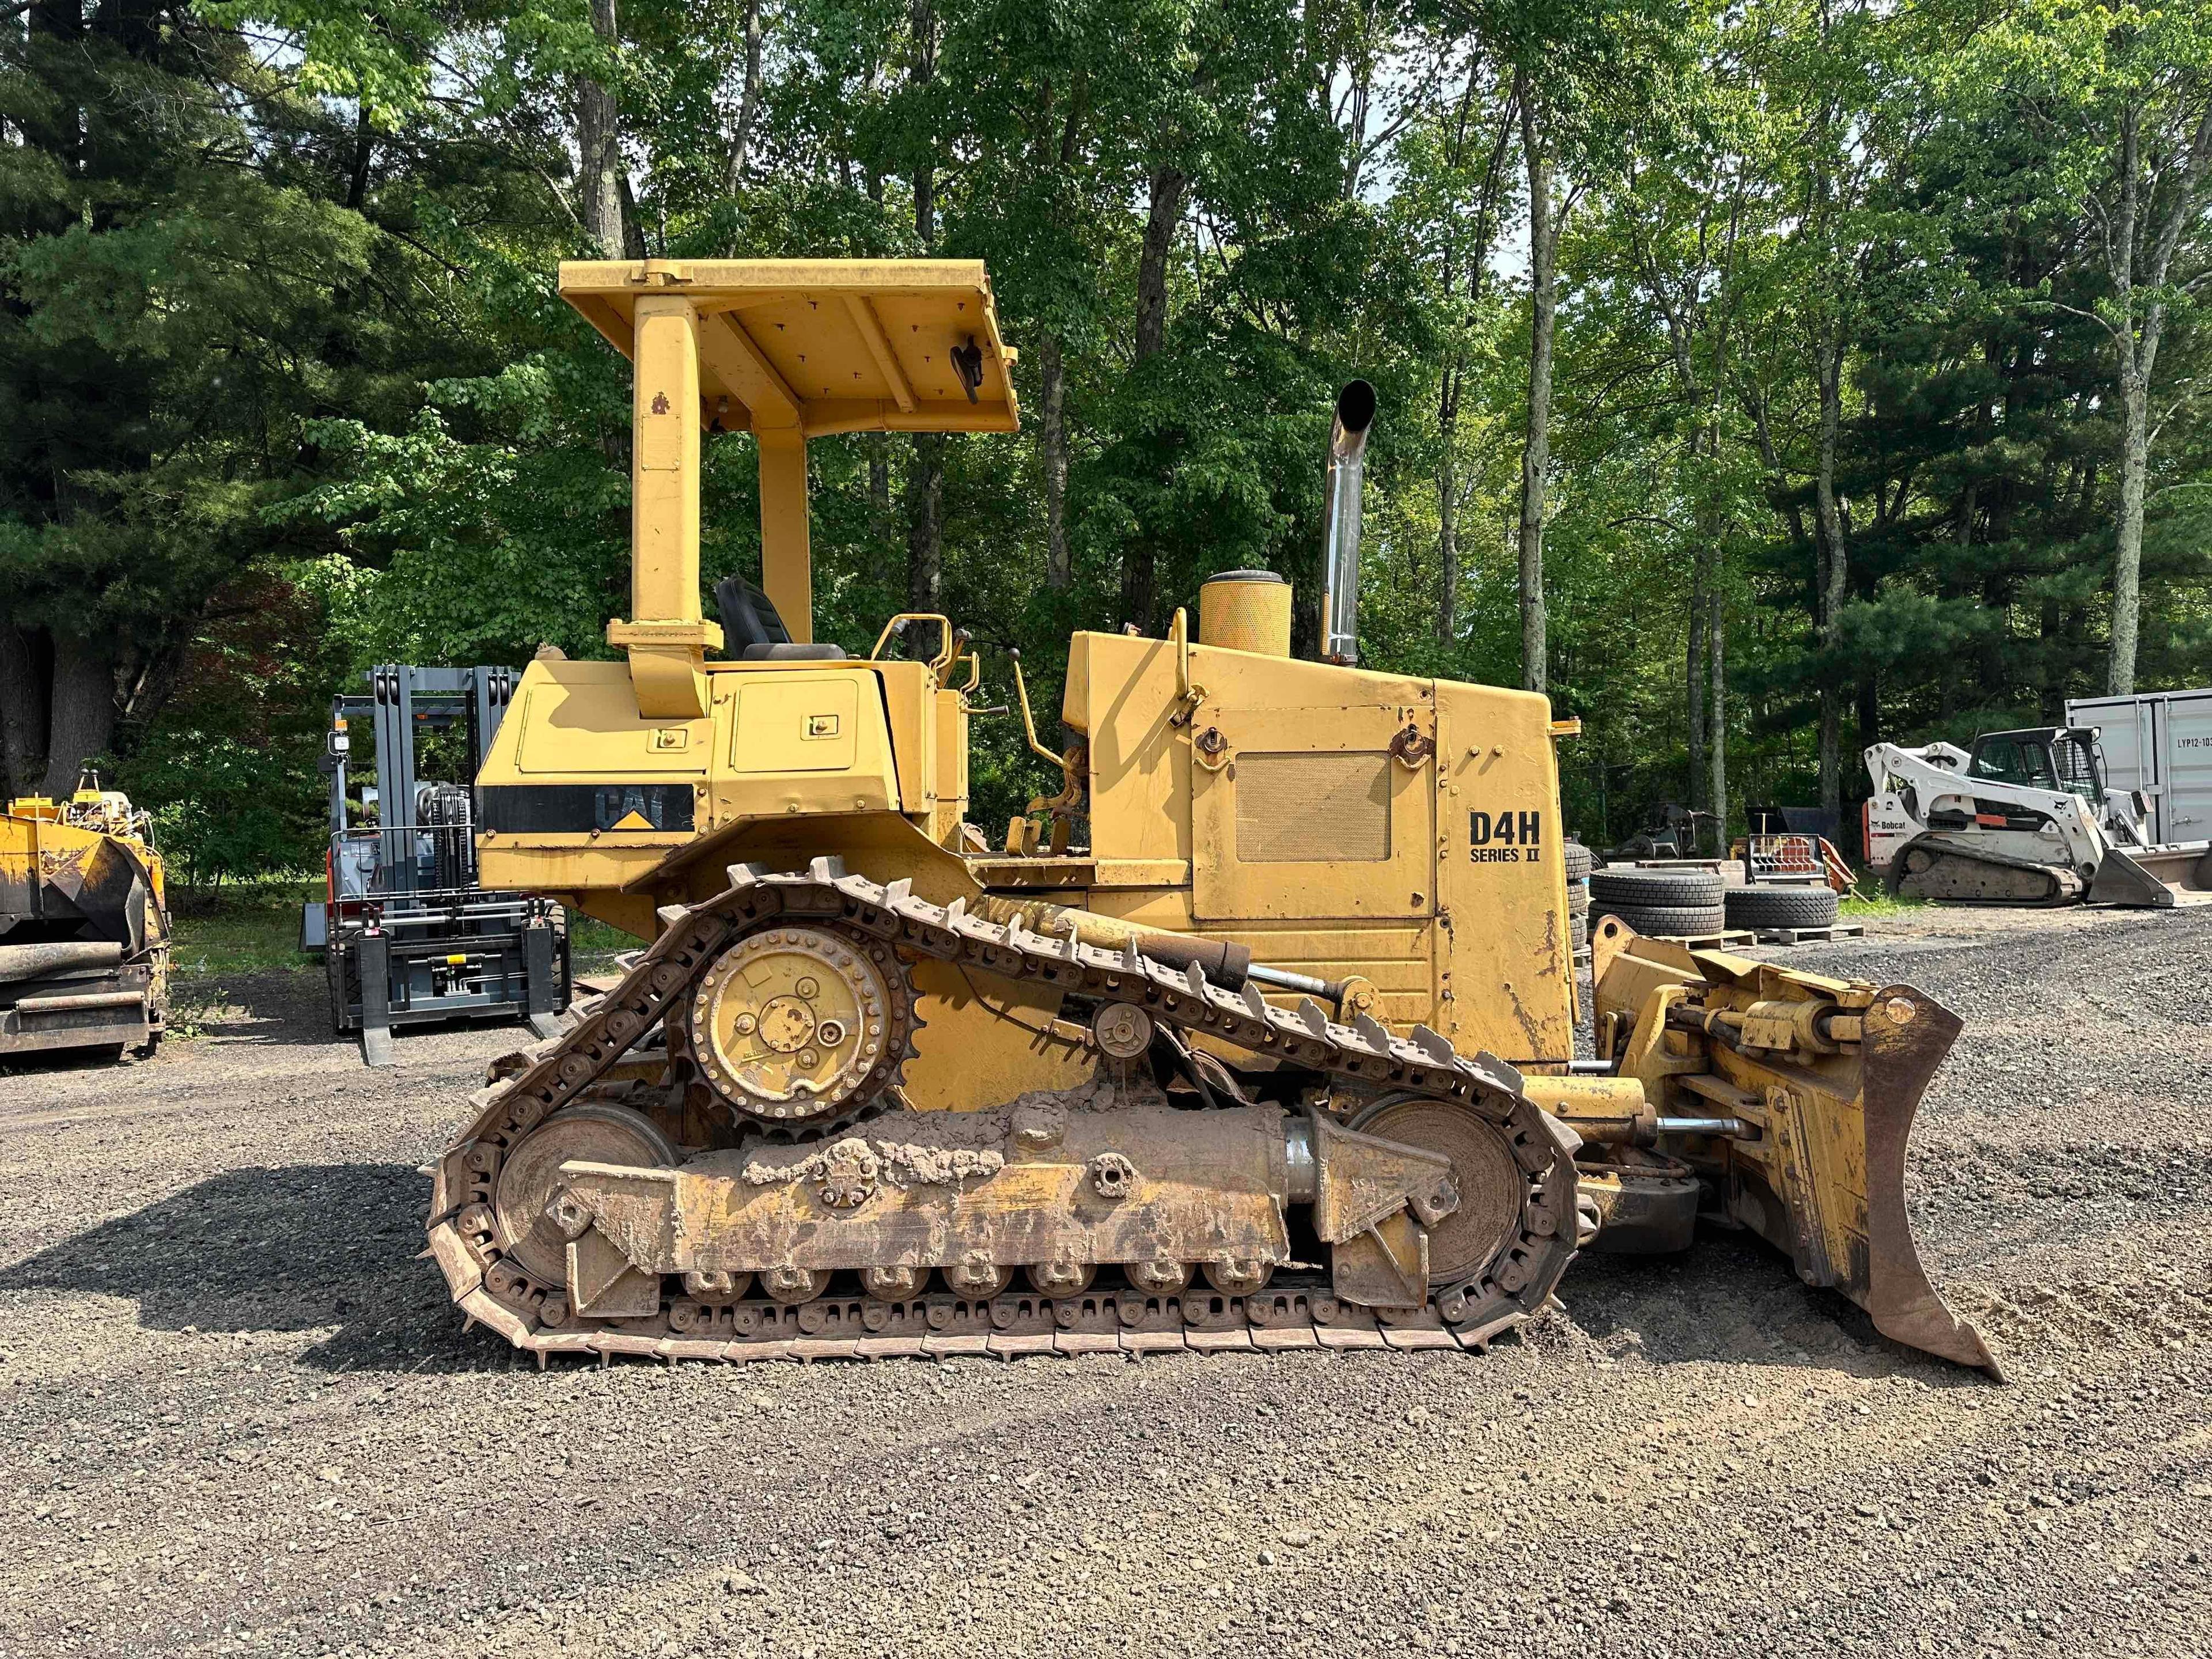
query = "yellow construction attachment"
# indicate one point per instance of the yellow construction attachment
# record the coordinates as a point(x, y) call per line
point(84, 925)
point(1791, 1096)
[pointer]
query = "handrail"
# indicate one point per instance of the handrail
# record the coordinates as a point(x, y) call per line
point(1189, 695)
point(946, 650)
point(1029, 722)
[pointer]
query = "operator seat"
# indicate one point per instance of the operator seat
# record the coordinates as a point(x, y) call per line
point(752, 629)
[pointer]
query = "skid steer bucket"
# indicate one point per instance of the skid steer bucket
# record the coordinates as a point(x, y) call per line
point(1821, 1079)
point(2160, 877)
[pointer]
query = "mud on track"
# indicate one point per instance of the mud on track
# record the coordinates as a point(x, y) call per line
point(235, 1415)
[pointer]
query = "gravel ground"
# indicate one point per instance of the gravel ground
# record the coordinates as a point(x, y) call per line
point(235, 1415)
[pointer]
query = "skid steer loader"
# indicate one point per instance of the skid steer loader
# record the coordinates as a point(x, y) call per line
point(2025, 818)
point(1257, 1033)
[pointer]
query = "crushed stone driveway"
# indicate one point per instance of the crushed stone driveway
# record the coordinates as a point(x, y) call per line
point(237, 1415)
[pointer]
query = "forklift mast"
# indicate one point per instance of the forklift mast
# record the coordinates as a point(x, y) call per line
point(408, 934)
point(403, 700)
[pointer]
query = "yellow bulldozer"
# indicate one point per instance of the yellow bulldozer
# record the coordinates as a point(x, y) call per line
point(1259, 1032)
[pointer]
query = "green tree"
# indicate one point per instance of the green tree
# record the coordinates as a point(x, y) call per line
point(2121, 96)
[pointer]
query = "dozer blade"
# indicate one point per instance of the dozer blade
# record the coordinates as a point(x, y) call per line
point(1821, 1079)
point(1897, 1058)
point(2157, 878)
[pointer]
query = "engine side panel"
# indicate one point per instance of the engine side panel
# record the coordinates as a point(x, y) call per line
point(1405, 831)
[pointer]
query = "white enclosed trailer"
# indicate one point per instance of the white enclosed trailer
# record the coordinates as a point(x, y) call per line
point(2159, 743)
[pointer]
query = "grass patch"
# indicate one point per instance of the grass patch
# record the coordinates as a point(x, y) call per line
point(594, 945)
point(254, 928)
point(251, 927)
point(193, 1004)
point(1868, 899)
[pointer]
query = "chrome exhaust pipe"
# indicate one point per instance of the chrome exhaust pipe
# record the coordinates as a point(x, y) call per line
point(1347, 452)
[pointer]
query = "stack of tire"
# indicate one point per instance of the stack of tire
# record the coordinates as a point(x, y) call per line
point(1580, 863)
point(1799, 908)
point(1662, 903)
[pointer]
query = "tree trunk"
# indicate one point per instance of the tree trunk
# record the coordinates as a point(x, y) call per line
point(2127, 538)
point(1536, 453)
point(1454, 376)
point(1448, 512)
point(879, 479)
point(2049, 632)
point(1139, 580)
point(1161, 222)
point(364, 150)
point(633, 228)
point(2176, 192)
point(924, 527)
point(22, 711)
point(1052, 441)
point(747, 101)
point(598, 149)
point(1834, 572)
point(922, 71)
point(83, 711)
point(1695, 698)
point(1716, 651)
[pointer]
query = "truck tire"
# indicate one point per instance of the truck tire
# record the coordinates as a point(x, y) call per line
point(1668, 921)
point(1579, 897)
point(1782, 907)
point(1670, 890)
point(1580, 862)
point(1578, 929)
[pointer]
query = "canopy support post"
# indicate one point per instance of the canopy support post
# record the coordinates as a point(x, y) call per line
point(787, 557)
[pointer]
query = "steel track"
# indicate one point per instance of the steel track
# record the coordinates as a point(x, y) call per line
point(1363, 1056)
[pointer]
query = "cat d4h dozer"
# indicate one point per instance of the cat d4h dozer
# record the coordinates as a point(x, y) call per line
point(1259, 1033)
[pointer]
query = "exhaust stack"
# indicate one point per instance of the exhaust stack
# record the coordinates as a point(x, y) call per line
point(1347, 452)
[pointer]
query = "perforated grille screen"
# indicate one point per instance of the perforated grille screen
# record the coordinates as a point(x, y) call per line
point(1309, 808)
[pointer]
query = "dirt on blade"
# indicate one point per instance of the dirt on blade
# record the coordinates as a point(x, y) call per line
point(235, 1415)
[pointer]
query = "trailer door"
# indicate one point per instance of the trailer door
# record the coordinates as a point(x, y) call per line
point(2185, 807)
point(2127, 729)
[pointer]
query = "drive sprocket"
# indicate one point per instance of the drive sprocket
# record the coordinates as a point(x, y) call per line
point(799, 1023)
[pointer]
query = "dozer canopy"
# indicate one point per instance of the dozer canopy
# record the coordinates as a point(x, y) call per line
point(787, 349)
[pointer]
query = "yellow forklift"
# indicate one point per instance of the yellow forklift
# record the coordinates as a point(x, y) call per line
point(1259, 1031)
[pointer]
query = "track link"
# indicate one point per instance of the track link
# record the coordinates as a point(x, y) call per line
point(490, 1290)
point(1958, 874)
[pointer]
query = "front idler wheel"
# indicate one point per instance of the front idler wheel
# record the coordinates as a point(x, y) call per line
point(529, 1179)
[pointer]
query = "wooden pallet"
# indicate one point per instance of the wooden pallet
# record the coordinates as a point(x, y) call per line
point(1811, 935)
point(1720, 941)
